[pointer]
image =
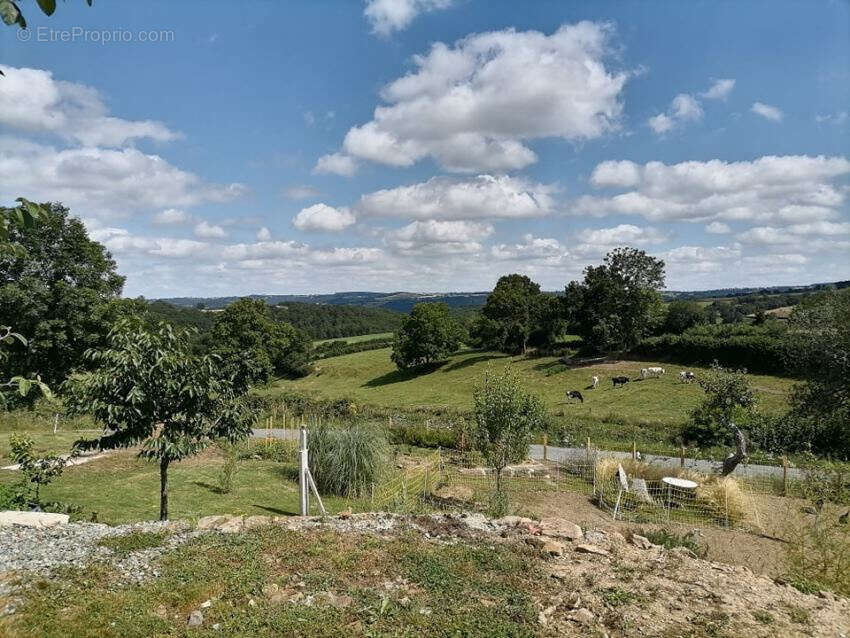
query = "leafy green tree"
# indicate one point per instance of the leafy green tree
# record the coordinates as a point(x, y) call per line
point(254, 346)
point(148, 389)
point(11, 14)
point(427, 335)
point(729, 401)
point(682, 315)
point(37, 470)
point(506, 417)
point(55, 289)
point(618, 302)
point(515, 315)
point(819, 340)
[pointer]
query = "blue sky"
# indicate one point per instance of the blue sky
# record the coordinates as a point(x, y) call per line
point(298, 147)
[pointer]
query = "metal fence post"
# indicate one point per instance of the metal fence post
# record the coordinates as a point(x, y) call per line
point(304, 489)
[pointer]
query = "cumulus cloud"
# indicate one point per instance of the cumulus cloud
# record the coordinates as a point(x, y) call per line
point(792, 234)
point(264, 234)
point(772, 113)
point(473, 105)
point(720, 90)
point(302, 191)
point(788, 189)
point(32, 100)
point(532, 248)
point(624, 234)
point(387, 16)
point(684, 108)
point(321, 217)
point(485, 196)
point(209, 231)
point(103, 182)
point(336, 164)
point(838, 118)
point(172, 216)
point(439, 237)
point(718, 228)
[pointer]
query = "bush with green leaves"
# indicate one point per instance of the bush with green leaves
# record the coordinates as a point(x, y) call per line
point(419, 435)
point(347, 460)
point(429, 334)
point(506, 417)
point(37, 469)
point(729, 400)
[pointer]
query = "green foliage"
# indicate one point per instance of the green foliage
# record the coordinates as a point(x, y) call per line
point(230, 453)
point(24, 216)
point(38, 471)
point(506, 416)
point(516, 315)
point(419, 435)
point(56, 290)
point(149, 389)
point(339, 348)
point(20, 385)
point(346, 461)
point(682, 315)
point(11, 13)
point(13, 496)
point(133, 542)
point(429, 334)
point(498, 504)
point(253, 346)
point(729, 399)
point(328, 321)
point(618, 302)
point(820, 351)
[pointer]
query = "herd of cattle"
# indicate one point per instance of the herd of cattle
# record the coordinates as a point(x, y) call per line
point(685, 376)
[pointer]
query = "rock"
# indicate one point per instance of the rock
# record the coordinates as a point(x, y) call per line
point(32, 519)
point(271, 589)
point(252, 602)
point(231, 526)
point(161, 611)
point(216, 626)
point(251, 522)
point(542, 619)
point(560, 528)
point(512, 521)
point(552, 548)
point(683, 551)
point(595, 536)
point(196, 619)
point(345, 514)
point(641, 491)
point(206, 604)
point(642, 542)
point(476, 521)
point(582, 616)
point(617, 537)
point(456, 493)
point(425, 611)
point(591, 549)
point(211, 522)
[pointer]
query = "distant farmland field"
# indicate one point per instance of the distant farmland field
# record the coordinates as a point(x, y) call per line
point(358, 339)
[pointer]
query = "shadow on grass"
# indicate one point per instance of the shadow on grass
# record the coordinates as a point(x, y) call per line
point(276, 510)
point(215, 489)
point(471, 361)
point(398, 376)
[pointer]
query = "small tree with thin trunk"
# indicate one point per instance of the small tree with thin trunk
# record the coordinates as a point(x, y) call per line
point(148, 389)
point(506, 416)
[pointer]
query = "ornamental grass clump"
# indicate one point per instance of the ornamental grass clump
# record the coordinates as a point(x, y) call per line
point(348, 460)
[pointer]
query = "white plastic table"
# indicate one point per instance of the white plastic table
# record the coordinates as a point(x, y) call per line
point(680, 483)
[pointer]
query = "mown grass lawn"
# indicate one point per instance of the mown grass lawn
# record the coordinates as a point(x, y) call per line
point(371, 378)
point(358, 338)
point(121, 488)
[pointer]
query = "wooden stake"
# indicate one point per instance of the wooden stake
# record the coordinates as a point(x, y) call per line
point(634, 451)
point(545, 445)
point(784, 476)
point(682, 457)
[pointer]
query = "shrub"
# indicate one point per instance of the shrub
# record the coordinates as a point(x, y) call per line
point(339, 348)
point(423, 436)
point(12, 497)
point(37, 471)
point(347, 460)
point(279, 450)
point(669, 540)
point(230, 452)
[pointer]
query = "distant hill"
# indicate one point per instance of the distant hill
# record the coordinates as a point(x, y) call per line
point(404, 301)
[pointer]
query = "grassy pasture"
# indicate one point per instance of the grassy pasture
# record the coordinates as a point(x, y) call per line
point(357, 339)
point(371, 378)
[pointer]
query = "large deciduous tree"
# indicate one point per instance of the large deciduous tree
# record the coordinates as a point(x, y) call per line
point(682, 315)
point(427, 335)
point(245, 332)
point(55, 289)
point(506, 417)
point(148, 389)
point(618, 302)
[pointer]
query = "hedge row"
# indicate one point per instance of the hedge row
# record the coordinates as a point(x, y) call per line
point(757, 353)
point(340, 347)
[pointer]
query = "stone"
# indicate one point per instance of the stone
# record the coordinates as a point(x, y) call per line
point(591, 549)
point(252, 602)
point(560, 528)
point(196, 619)
point(595, 536)
point(477, 521)
point(641, 491)
point(256, 521)
point(32, 519)
point(552, 548)
point(512, 521)
point(210, 522)
point(206, 604)
point(271, 589)
point(683, 551)
point(582, 616)
point(161, 611)
point(642, 542)
point(216, 626)
point(231, 526)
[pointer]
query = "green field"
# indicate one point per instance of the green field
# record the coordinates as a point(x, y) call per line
point(371, 378)
point(357, 339)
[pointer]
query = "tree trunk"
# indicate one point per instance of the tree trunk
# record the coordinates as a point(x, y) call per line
point(163, 489)
point(732, 461)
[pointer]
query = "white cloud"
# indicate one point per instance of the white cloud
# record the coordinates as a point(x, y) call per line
point(337, 164)
point(661, 123)
point(31, 100)
point(720, 90)
point(718, 228)
point(837, 119)
point(772, 113)
point(264, 234)
point(321, 217)
point(439, 237)
point(532, 248)
point(171, 216)
point(624, 234)
point(387, 16)
point(102, 182)
point(788, 189)
point(209, 231)
point(792, 234)
point(700, 259)
point(683, 108)
point(485, 196)
point(472, 106)
point(302, 191)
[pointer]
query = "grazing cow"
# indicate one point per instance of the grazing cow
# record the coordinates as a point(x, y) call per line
point(644, 373)
point(655, 371)
point(686, 376)
point(575, 394)
point(594, 381)
point(619, 381)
